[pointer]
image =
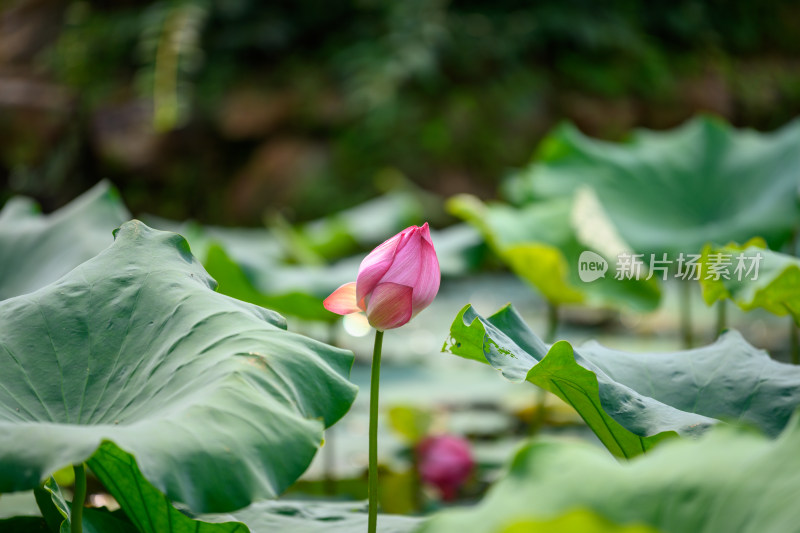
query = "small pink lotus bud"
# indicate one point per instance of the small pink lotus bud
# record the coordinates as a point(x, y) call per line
point(445, 461)
point(397, 280)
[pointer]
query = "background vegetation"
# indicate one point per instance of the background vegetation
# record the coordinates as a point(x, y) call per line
point(309, 107)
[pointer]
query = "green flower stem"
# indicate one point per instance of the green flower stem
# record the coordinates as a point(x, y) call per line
point(722, 317)
point(374, 384)
point(76, 514)
point(794, 342)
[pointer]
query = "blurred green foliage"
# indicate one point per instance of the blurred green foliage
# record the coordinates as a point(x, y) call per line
point(220, 110)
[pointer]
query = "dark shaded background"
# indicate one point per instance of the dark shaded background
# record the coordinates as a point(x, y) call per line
point(222, 110)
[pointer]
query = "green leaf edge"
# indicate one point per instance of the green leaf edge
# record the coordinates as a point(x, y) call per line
point(716, 290)
point(109, 457)
point(549, 374)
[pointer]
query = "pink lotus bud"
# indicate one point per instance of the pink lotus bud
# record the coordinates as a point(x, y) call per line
point(397, 280)
point(445, 461)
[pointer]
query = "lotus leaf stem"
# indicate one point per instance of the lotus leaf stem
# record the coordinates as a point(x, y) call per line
point(722, 317)
point(686, 314)
point(76, 514)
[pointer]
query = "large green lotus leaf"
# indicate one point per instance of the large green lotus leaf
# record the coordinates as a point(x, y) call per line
point(315, 517)
point(540, 244)
point(632, 401)
point(674, 191)
point(37, 249)
point(774, 286)
point(216, 401)
point(730, 480)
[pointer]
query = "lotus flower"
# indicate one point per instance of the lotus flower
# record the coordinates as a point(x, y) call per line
point(445, 461)
point(397, 280)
